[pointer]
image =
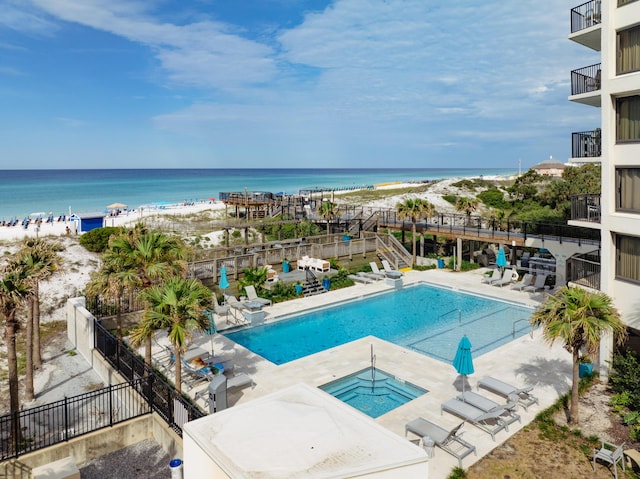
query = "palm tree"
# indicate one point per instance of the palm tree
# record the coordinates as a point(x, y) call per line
point(327, 210)
point(151, 257)
point(414, 209)
point(468, 205)
point(14, 289)
point(579, 319)
point(41, 260)
point(177, 305)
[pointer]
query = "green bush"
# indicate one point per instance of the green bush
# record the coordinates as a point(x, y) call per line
point(457, 473)
point(450, 198)
point(625, 379)
point(493, 198)
point(97, 240)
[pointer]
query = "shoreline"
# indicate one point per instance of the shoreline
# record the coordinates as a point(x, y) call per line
point(131, 216)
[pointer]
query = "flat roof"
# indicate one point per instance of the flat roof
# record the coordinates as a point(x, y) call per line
point(300, 430)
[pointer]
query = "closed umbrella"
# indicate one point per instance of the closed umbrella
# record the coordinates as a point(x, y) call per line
point(501, 260)
point(463, 362)
point(224, 282)
point(211, 330)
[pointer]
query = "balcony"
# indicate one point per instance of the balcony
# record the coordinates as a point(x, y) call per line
point(585, 208)
point(585, 85)
point(585, 24)
point(586, 146)
point(584, 269)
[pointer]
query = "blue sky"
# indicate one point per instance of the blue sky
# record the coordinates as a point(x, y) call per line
point(287, 83)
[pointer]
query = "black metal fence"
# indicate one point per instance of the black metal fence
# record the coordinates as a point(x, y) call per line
point(586, 144)
point(586, 79)
point(585, 269)
point(43, 426)
point(585, 208)
point(174, 408)
point(586, 15)
point(102, 307)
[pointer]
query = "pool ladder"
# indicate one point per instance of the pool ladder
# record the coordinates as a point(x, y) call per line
point(452, 311)
point(513, 330)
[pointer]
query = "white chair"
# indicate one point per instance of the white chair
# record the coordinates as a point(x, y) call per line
point(610, 453)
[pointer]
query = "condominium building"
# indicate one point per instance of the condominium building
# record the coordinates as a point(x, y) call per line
point(612, 28)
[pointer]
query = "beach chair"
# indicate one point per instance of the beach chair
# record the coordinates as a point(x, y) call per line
point(489, 405)
point(360, 279)
point(489, 422)
point(509, 276)
point(539, 283)
point(389, 271)
point(375, 271)
point(252, 295)
point(527, 280)
point(492, 276)
point(239, 381)
point(371, 276)
point(522, 395)
point(236, 306)
point(220, 309)
point(195, 376)
point(449, 441)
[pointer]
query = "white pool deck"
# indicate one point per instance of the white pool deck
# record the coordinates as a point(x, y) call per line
point(525, 361)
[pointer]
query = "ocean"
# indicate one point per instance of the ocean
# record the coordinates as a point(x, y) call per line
point(23, 192)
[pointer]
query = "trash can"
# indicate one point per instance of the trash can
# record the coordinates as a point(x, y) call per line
point(326, 283)
point(584, 369)
point(440, 263)
point(346, 237)
point(298, 289)
point(175, 465)
point(286, 266)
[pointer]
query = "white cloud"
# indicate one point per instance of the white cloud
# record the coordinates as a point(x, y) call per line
point(10, 71)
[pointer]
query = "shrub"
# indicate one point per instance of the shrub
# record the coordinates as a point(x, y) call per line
point(625, 379)
point(450, 198)
point(97, 239)
point(493, 198)
point(457, 473)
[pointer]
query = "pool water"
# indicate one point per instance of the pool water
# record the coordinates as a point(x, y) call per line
point(373, 391)
point(425, 318)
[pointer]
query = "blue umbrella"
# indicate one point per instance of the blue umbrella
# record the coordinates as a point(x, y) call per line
point(224, 282)
point(463, 362)
point(501, 260)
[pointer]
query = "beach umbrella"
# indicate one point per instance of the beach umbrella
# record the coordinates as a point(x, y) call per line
point(116, 206)
point(211, 330)
point(463, 362)
point(501, 260)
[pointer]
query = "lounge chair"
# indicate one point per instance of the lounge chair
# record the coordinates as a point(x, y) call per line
point(541, 279)
point(360, 279)
point(253, 296)
point(371, 276)
point(509, 276)
point(375, 271)
point(196, 375)
point(489, 405)
point(522, 395)
point(220, 309)
point(494, 275)
point(236, 305)
point(499, 276)
point(239, 381)
point(389, 271)
point(527, 280)
point(609, 453)
point(489, 422)
point(445, 440)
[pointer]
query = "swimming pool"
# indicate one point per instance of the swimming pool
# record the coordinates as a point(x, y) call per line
point(373, 391)
point(426, 318)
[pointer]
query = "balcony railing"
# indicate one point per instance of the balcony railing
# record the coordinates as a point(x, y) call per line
point(587, 79)
point(585, 208)
point(584, 269)
point(586, 144)
point(585, 15)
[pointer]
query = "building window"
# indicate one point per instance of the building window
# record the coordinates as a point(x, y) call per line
point(628, 258)
point(628, 115)
point(627, 181)
point(624, 2)
point(628, 50)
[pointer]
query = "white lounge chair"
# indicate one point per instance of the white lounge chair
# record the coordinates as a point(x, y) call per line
point(442, 438)
point(509, 276)
point(522, 395)
point(252, 295)
point(489, 422)
point(493, 275)
point(489, 405)
point(360, 279)
point(541, 279)
point(389, 271)
point(526, 280)
point(375, 271)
